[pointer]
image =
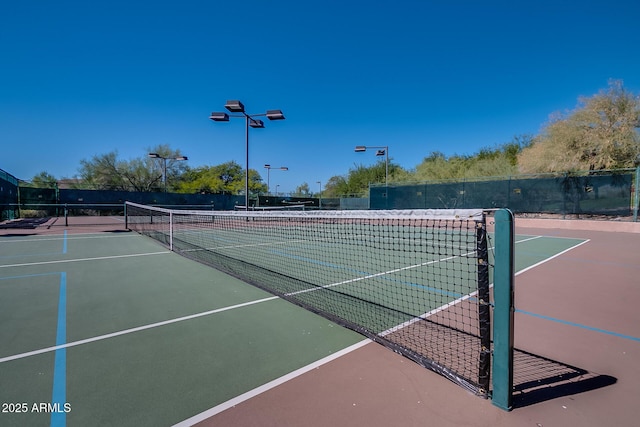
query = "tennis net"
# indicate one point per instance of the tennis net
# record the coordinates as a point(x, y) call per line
point(414, 281)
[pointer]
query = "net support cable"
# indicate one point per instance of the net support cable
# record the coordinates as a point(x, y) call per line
point(416, 281)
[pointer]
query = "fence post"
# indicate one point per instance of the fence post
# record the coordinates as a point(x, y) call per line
point(636, 193)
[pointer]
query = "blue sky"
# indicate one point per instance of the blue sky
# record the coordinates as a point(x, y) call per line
point(84, 78)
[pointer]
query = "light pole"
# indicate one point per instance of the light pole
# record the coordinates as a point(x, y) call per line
point(382, 151)
point(164, 165)
point(268, 168)
point(235, 106)
point(277, 185)
point(319, 194)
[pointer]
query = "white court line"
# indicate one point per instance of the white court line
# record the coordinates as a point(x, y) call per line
point(62, 261)
point(523, 240)
point(77, 236)
point(132, 330)
point(268, 386)
point(551, 257)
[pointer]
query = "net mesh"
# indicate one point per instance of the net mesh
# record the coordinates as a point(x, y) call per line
point(415, 281)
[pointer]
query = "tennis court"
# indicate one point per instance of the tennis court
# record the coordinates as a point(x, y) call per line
point(112, 328)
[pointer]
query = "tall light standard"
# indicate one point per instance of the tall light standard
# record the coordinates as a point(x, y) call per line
point(164, 165)
point(235, 106)
point(319, 194)
point(268, 168)
point(382, 151)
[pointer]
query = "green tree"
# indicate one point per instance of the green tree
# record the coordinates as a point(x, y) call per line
point(167, 156)
point(102, 172)
point(601, 133)
point(336, 186)
point(226, 178)
point(302, 190)
point(43, 180)
point(437, 166)
point(501, 160)
point(357, 181)
point(107, 172)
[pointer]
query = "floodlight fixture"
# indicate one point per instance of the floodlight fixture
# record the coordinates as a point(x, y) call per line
point(382, 151)
point(164, 165)
point(275, 115)
point(256, 124)
point(268, 168)
point(219, 117)
point(234, 106)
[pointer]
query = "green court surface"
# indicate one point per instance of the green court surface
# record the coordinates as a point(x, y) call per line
point(113, 329)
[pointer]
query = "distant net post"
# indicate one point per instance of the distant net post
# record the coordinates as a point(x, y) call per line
point(504, 309)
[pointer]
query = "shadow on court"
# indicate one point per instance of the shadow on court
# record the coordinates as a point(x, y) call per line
point(538, 379)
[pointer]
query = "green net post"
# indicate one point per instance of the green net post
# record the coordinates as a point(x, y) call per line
point(503, 281)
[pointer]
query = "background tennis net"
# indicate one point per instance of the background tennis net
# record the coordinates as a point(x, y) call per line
point(415, 281)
